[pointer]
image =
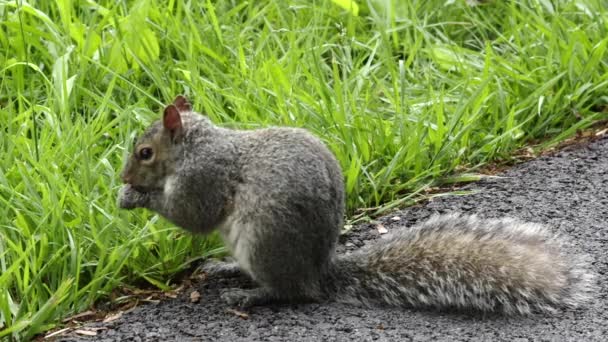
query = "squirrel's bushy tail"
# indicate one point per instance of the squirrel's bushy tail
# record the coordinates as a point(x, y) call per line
point(465, 262)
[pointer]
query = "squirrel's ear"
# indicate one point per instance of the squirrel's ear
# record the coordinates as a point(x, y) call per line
point(182, 104)
point(172, 120)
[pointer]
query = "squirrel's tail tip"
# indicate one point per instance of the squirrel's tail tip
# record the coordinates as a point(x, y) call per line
point(582, 283)
point(579, 291)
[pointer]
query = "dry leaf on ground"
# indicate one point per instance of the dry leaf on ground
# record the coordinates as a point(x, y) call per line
point(195, 296)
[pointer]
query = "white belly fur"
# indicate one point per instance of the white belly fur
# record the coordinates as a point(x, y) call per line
point(170, 184)
point(235, 236)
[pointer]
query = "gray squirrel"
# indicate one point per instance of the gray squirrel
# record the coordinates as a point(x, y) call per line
point(276, 197)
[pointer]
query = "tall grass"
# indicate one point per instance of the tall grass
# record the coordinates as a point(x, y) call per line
point(403, 92)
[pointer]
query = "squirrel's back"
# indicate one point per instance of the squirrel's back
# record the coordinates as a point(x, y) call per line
point(293, 173)
point(286, 159)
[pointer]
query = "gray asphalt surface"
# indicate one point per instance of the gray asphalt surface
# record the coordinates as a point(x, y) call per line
point(567, 191)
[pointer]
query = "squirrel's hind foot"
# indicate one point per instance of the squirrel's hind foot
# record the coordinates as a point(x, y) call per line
point(223, 269)
point(246, 298)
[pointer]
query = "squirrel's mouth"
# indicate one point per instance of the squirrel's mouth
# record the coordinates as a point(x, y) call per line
point(145, 189)
point(139, 188)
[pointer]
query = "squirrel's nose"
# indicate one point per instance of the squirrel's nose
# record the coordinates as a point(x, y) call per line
point(125, 178)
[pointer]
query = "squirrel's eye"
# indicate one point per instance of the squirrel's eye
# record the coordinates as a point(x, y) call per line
point(145, 153)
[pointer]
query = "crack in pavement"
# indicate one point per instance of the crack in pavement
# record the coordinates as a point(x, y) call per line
point(566, 191)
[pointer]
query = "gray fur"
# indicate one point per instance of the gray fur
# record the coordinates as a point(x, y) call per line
point(465, 262)
point(276, 196)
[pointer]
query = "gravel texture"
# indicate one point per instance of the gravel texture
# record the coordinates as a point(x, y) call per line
point(566, 191)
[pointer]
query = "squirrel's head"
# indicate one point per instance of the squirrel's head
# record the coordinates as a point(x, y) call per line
point(151, 160)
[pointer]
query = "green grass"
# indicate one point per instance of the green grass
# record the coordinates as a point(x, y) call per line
point(403, 93)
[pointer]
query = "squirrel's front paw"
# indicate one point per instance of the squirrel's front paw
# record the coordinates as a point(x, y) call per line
point(129, 198)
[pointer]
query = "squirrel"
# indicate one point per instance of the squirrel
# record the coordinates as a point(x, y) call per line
point(276, 196)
